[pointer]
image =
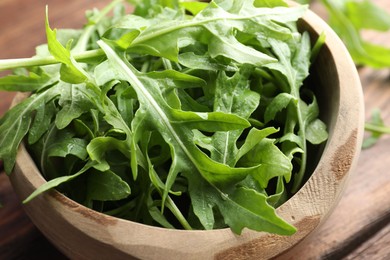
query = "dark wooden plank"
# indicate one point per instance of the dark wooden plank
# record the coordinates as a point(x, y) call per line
point(19, 239)
point(5, 101)
point(376, 248)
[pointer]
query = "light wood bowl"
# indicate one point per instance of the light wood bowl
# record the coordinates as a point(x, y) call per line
point(81, 233)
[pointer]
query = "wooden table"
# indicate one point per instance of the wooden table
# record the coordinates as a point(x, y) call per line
point(359, 226)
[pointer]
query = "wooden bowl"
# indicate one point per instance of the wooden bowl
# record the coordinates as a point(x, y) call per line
point(82, 233)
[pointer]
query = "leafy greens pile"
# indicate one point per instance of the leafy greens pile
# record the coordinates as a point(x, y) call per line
point(183, 115)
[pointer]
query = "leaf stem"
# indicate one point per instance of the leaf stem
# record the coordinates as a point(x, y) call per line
point(177, 213)
point(299, 176)
point(377, 128)
point(91, 27)
point(9, 64)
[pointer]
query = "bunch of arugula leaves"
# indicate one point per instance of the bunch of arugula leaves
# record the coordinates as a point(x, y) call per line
point(183, 115)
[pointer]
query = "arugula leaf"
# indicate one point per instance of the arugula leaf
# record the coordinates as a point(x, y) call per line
point(256, 205)
point(42, 121)
point(194, 7)
point(97, 150)
point(74, 101)
point(374, 17)
point(269, 3)
point(66, 146)
point(224, 142)
point(106, 186)
point(347, 18)
point(70, 71)
point(243, 206)
point(56, 182)
point(376, 127)
point(24, 83)
point(16, 123)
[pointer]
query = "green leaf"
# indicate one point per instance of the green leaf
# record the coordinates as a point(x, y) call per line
point(56, 182)
point(202, 195)
point(74, 101)
point(210, 122)
point(252, 207)
point(303, 1)
point(224, 142)
point(16, 123)
point(253, 138)
point(272, 162)
point(67, 145)
point(244, 208)
point(292, 69)
point(203, 62)
point(270, 3)
point(52, 152)
point(280, 196)
point(347, 18)
point(194, 7)
point(317, 46)
point(70, 71)
point(176, 77)
point(24, 83)
point(228, 46)
point(106, 186)
point(293, 138)
point(367, 15)
point(184, 153)
point(376, 127)
point(42, 121)
point(152, 7)
point(100, 146)
point(167, 201)
point(316, 132)
point(277, 104)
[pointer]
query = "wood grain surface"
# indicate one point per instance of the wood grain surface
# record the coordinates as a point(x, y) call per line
point(358, 228)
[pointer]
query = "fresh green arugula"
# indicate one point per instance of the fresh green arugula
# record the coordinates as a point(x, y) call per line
point(348, 18)
point(182, 115)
